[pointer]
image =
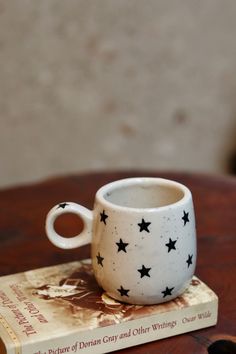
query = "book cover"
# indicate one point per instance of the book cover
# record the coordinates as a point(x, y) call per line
point(60, 309)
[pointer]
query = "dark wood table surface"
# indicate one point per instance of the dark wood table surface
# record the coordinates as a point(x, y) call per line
point(24, 245)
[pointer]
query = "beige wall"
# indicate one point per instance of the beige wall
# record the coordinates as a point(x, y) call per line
point(97, 84)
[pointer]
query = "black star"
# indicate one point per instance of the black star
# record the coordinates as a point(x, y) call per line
point(62, 205)
point(123, 292)
point(185, 218)
point(171, 245)
point(121, 246)
point(103, 217)
point(167, 292)
point(144, 226)
point(144, 271)
point(100, 259)
point(189, 260)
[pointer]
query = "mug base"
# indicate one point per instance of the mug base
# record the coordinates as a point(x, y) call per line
point(145, 300)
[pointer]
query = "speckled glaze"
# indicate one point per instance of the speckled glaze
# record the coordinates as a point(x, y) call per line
point(143, 238)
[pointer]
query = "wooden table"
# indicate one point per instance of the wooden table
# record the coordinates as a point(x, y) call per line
point(23, 244)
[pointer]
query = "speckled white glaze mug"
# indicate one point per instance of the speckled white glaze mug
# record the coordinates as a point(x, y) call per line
point(143, 238)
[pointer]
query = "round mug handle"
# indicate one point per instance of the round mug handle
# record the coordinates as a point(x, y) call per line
point(79, 240)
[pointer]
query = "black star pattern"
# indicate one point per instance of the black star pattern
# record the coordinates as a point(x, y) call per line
point(103, 217)
point(62, 205)
point(171, 245)
point(121, 246)
point(144, 271)
point(100, 259)
point(144, 225)
point(167, 292)
point(185, 218)
point(123, 292)
point(189, 260)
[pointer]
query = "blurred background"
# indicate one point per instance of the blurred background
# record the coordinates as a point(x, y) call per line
point(104, 84)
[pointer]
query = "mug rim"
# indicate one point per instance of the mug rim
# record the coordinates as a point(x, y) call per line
point(100, 195)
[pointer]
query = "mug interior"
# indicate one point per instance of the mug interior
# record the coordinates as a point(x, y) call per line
point(146, 193)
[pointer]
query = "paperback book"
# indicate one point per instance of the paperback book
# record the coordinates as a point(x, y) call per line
point(60, 309)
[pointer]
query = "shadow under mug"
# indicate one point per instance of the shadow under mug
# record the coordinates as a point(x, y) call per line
point(143, 238)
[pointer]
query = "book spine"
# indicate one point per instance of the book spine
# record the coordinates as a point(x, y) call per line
point(130, 333)
point(10, 336)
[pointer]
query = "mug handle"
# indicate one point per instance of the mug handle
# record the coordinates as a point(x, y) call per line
point(79, 240)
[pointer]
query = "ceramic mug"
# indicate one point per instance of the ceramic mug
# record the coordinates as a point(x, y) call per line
point(143, 238)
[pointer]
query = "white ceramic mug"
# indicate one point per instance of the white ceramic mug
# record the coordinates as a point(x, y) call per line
point(143, 238)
